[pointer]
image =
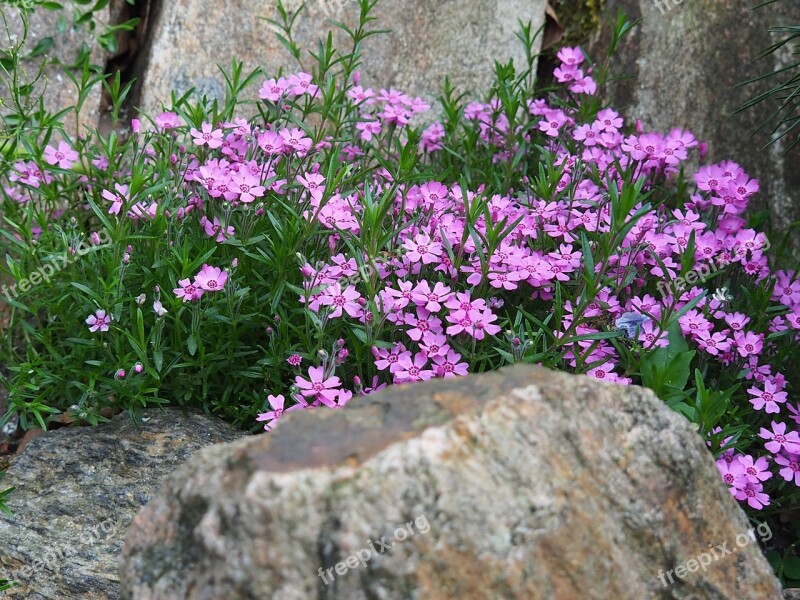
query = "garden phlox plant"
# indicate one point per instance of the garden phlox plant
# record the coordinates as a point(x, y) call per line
point(535, 225)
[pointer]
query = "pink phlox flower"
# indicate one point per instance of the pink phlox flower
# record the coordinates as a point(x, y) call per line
point(748, 343)
point(791, 466)
point(390, 359)
point(273, 416)
point(429, 298)
point(117, 200)
point(413, 370)
point(424, 322)
point(64, 156)
point(318, 386)
point(188, 291)
point(207, 136)
point(450, 365)
point(754, 494)
point(211, 279)
point(768, 398)
point(273, 89)
point(779, 439)
point(99, 321)
point(755, 471)
point(216, 229)
point(341, 300)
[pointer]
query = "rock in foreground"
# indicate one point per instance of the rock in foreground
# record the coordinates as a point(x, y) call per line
point(77, 490)
point(523, 483)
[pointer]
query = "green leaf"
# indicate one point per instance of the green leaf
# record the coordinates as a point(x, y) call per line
point(43, 47)
point(158, 359)
point(191, 345)
point(791, 567)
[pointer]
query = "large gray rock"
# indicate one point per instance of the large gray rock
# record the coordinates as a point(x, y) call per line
point(54, 85)
point(77, 490)
point(688, 57)
point(430, 39)
point(523, 483)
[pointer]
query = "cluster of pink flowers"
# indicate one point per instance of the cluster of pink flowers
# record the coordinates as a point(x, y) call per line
point(424, 300)
point(208, 279)
point(744, 474)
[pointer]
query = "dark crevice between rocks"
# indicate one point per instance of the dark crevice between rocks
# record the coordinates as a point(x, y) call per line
point(130, 59)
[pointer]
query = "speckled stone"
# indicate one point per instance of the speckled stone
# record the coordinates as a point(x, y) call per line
point(519, 484)
point(683, 63)
point(77, 490)
point(429, 39)
point(55, 86)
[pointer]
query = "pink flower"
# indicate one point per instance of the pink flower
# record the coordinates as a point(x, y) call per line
point(295, 140)
point(316, 386)
point(552, 122)
point(272, 417)
point(342, 398)
point(167, 120)
point(270, 142)
point(712, 343)
point(339, 300)
point(187, 290)
point(791, 466)
point(421, 248)
point(748, 343)
point(368, 129)
point(754, 494)
point(273, 90)
point(779, 439)
point(211, 279)
point(99, 321)
point(570, 56)
point(429, 298)
point(208, 136)
point(295, 360)
point(390, 359)
point(216, 229)
point(434, 344)
point(732, 472)
point(300, 83)
point(449, 366)
point(484, 324)
point(424, 322)
point(409, 370)
point(117, 200)
point(246, 185)
point(770, 396)
point(755, 471)
point(64, 156)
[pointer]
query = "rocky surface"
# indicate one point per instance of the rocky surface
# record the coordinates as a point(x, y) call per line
point(77, 490)
point(54, 85)
point(523, 483)
point(188, 38)
point(687, 58)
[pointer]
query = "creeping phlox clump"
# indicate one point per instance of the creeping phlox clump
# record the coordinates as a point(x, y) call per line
point(331, 246)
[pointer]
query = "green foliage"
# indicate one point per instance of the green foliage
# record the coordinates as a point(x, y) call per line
point(783, 95)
